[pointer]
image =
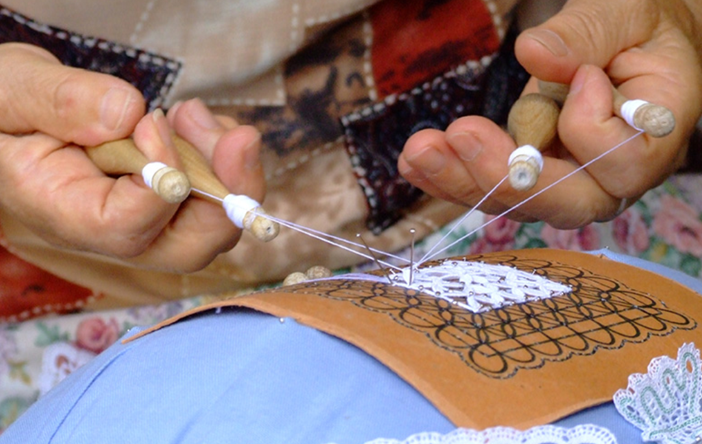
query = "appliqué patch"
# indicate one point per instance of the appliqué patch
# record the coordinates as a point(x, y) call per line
point(152, 74)
point(376, 134)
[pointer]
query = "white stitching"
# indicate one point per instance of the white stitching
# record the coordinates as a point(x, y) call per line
point(338, 14)
point(295, 27)
point(367, 62)
point(473, 67)
point(470, 68)
point(78, 39)
point(280, 99)
point(142, 20)
point(290, 166)
point(496, 18)
point(175, 67)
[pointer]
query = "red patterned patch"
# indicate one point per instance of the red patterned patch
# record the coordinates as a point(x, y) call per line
point(416, 41)
point(27, 291)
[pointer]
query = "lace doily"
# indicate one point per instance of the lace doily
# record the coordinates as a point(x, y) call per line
point(476, 286)
point(583, 434)
point(666, 402)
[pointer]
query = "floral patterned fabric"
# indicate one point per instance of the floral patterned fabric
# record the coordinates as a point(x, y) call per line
point(664, 227)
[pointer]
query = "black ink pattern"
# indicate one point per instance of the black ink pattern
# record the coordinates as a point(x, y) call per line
point(600, 313)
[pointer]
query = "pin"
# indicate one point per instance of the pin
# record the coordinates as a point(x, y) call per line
point(377, 262)
point(413, 233)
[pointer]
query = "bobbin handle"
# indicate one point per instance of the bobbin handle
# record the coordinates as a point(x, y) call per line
point(654, 120)
point(243, 211)
point(532, 123)
point(533, 120)
point(122, 157)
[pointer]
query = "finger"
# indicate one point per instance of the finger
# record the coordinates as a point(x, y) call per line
point(571, 203)
point(61, 195)
point(452, 181)
point(584, 32)
point(437, 166)
point(232, 150)
point(632, 168)
point(201, 228)
point(37, 93)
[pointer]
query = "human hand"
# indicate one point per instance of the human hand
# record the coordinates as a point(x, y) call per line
point(648, 49)
point(48, 183)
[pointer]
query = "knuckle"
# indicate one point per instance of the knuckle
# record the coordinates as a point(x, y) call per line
point(65, 93)
point(125, 241)
point(586, 25)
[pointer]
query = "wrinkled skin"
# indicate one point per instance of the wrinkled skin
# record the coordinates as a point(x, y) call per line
point(649, 49)
point(47, 182)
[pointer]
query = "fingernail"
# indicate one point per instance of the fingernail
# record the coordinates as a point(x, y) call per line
point(466, 145)
point(428, 159)
point(202, 116)
point(114, 106)
point(174, 109)
point(164, 130)
point(252, 159)
point(579, 80)
point(549, 40)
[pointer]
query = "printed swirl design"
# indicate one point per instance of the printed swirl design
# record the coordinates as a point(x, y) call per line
point(599, 313)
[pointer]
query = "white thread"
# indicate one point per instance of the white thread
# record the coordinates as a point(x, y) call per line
point(329, 239)
point(629, 109)
point(150, 170)
point(533, 196)
point(236, 206)
point(530, 152)
point(460, 221)
point(478, 287)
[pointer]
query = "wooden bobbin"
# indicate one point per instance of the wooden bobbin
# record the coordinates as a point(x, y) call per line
point(532, 121)
point(315, 272)
point(206, 186)
point(122, 157)
point(654, 120)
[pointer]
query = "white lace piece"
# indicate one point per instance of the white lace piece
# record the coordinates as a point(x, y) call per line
point(666, 402)
point(582, 434)
point(478, 287)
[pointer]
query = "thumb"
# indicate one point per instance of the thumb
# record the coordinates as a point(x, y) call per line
point(38, 93)
point(588, 32)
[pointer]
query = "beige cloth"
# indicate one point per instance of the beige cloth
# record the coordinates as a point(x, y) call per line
point(233, 54)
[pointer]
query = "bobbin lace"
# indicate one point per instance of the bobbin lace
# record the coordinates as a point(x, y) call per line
point(478, 287)
point(583, 434)
point(666, 402)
